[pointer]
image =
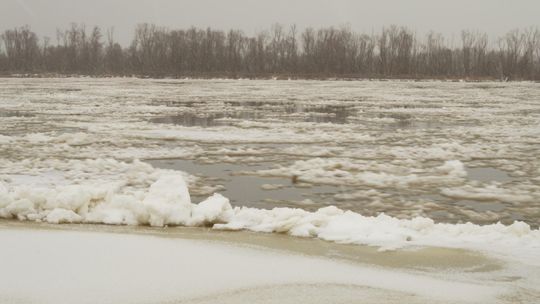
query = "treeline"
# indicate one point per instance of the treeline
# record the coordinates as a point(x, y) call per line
point(393, 52)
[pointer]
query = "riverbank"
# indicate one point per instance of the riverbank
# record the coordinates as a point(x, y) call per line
point(111, 264)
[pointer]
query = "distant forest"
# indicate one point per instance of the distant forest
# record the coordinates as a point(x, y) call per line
point(392, 52)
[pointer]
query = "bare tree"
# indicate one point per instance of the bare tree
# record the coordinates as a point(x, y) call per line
point(392, 52)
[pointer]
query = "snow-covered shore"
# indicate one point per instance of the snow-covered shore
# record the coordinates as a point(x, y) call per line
point(57, 266)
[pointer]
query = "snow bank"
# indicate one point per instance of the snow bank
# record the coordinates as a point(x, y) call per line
point(162, 199)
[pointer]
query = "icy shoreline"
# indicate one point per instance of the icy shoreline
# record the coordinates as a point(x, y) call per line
point(70, 147)
point(137, 194)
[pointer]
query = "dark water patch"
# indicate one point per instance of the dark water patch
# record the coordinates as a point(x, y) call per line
point(415, 106)
point(171, 82)
point(486, 86)
point(256, 111)
point(422, 124)
point(482, 206)
point(253, 191)
point(336, 115)
point(254, 103)
point(175, 103)
point(323, 114)
point(48, 90)
point(527, 112)
point(488, 174)
point(67, 90)
point(4, 113)
point(291, 107)
point(409, 122)
point(189, 119)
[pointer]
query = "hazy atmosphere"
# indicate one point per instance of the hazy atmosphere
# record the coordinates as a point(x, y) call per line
point(495, 17)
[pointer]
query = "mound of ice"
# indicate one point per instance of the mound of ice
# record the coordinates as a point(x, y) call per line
point(166, 201)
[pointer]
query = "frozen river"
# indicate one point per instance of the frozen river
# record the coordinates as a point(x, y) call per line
point(453, 152)
point(391, 164)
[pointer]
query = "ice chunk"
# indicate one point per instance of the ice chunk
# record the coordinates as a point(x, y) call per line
point(490, 192)
point(59, 216)
point(72, 197)
point(5, 199)
point(20, 208)
point(168, 201)
point(215, 209)
point(454, 168)
point(5, 139)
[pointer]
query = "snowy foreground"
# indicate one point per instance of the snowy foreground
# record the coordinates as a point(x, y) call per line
point(89, 267)
point(400, 172)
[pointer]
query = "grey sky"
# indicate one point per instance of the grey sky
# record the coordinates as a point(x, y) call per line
point(446, 16)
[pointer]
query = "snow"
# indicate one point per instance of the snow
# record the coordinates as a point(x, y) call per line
point(85, 267)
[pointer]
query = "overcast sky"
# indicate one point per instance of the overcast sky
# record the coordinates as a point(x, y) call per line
point(446, 16)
